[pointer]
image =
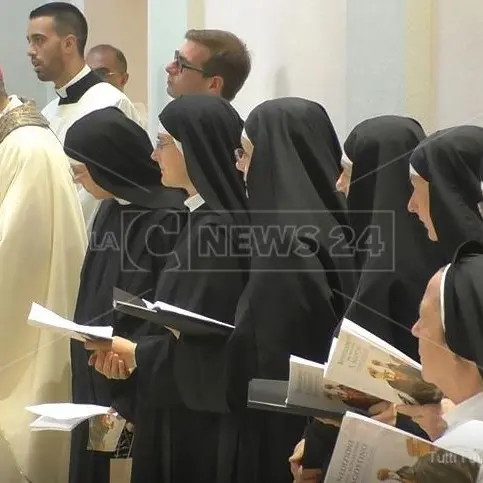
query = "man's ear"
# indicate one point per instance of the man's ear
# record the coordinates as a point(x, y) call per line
point(124, 79)
point(216, 84)
point(70, 43)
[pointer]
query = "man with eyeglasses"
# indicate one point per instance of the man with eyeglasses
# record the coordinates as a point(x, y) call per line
point(210, 61)
point(57, 36)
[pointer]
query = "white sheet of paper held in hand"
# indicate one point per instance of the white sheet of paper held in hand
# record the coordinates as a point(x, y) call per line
point(43, 318)
point(63, 416)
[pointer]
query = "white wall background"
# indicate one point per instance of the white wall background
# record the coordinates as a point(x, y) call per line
point(128, 31)
point(458, 62)
point(298, 48)
point(349, 55)
point(167, 24)
point(376, 68)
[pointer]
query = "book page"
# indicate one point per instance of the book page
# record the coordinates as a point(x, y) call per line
point(43, 318)
point(465, 440)
point(176, 310)
point(367, 451)
point(67, 411)
point(361, 365)
point(306, 387)
point(353, 328)
point(44, 423)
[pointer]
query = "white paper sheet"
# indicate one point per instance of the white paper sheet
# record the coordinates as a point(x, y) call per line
point(68, 411)
point(43, 318)
point(43, 423)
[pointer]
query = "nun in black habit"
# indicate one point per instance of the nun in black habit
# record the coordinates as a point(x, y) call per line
point(176, 437)
point(297, 295)
point(394, 279)
point(361, 156)
point(128, 248)
point(444, 172)
point(397, 271)
point(450, 337)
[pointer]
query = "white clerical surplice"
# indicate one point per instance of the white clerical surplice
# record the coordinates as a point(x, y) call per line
point(42, 246)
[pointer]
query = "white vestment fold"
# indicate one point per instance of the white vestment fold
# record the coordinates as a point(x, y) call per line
point(42, 247)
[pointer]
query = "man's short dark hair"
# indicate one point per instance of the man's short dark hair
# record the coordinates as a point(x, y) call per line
point(120, 57)
point(229, 58)
point(68, 20)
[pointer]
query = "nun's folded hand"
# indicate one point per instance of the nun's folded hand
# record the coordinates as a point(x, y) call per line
point(429, 417)
point(384, 412)
point(114, 360)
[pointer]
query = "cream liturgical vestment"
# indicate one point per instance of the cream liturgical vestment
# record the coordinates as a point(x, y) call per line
point(85, 93)
point(42, 246)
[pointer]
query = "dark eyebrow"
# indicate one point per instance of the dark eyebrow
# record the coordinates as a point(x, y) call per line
point(36, 36)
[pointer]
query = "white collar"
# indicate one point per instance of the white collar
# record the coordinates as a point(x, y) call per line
point(345, 161)
point(441, 295)
point(122, 202)
point(468, 410)
point(413, 172)
point(62, 92)
point(13, 103)
point(194, 202)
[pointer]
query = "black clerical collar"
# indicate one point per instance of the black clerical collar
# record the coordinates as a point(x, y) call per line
point(73, 93)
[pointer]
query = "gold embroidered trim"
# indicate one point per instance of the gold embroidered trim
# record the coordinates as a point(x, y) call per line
point(24, 115)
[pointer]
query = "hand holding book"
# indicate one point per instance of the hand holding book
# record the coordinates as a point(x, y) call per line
point(429, 417)
point(384, 412)
point(299, 473)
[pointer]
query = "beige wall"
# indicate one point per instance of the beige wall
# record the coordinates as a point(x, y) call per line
point(123, 23)
point(420, 62)
point(196, 14)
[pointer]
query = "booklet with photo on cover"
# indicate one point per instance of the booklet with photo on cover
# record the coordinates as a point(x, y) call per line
point(361, 371)
point(307, 393)
point(369, 451)
point(362, 361)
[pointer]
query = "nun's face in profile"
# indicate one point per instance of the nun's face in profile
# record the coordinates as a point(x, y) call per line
point(419, 204)
point(244, 157)
point(84, 178)
point(437, 360)
point(171, 162)
point(344, 181)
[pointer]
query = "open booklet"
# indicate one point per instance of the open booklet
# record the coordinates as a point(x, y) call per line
point(361, 371)
point(362, 361)
point(169, 316)
point(43, 318)
point(63, 416)
point(370, 451)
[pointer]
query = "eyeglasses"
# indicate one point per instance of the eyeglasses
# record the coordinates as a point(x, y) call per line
point(103, 72)
point(181, 64)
